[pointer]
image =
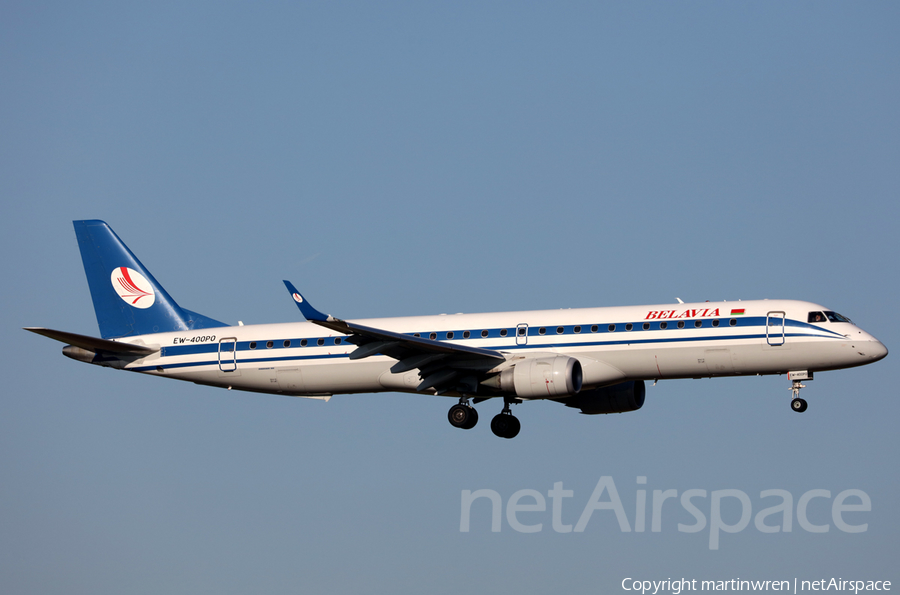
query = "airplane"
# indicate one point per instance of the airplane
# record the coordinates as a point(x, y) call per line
point(592, 359)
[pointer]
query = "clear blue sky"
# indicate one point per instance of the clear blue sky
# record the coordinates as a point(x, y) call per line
point(419, 158)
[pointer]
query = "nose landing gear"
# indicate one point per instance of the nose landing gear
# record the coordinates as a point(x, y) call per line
point(797, 404)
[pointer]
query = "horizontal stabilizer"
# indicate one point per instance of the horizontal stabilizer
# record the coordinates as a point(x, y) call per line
point(92, 343)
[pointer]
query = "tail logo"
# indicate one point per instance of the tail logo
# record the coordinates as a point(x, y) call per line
point(298, 298)
point(133, 287)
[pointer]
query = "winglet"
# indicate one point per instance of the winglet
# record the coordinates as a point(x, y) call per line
point(306, 308)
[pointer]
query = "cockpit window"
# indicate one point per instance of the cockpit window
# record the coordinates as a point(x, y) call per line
point(816, 317)
point(835, 317)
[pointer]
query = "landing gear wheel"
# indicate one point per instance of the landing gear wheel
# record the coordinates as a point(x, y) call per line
point(462, 416)
point(473, 419)
point(514, 427)
point(799, 405)
point(505, 425)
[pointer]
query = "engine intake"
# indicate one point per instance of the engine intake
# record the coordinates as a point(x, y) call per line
point(540, 378)
point(619, 398)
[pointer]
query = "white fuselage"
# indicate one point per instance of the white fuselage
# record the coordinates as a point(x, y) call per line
point(613, 345)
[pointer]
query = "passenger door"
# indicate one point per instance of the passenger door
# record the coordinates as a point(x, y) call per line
point(775, 328)
point(228, 354)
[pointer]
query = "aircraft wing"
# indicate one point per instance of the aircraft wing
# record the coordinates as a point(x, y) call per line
point(442, 366)
point(92, 343)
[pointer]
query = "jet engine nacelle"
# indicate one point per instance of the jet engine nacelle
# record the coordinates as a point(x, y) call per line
point(540, 377)
point(619, 398)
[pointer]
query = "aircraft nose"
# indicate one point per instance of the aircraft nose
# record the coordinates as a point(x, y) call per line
point(876, 350)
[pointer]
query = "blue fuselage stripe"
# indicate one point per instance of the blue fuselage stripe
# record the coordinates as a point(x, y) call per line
point(533, 331)
point(629, 338)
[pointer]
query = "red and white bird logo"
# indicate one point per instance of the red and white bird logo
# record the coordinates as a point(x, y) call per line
point(133, 287)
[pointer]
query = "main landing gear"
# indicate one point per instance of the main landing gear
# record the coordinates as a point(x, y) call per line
point(463, 415)
point(505, 424)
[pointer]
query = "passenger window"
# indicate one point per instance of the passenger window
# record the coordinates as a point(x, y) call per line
point(450, 335)
point(287, 343)
point(302, 342)
point(680, 324)
point(560, 330)
point(466, 334)
point(542, 331)
point(337, 340)
point(577, 329)
point(432, 336)
point(417, 335)
point(612, 328)
point(269, 345)
point(698, 323)
point(521, 331)
point(320, 342)
point(503, 332)
point(484, 333)
point(252, 344)
point(732, 322)
point(663, 325)
point(594, 328)
point(629, 326)
point(715, 323)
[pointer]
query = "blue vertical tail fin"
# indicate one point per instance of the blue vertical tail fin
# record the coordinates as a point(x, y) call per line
point(128, 300)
